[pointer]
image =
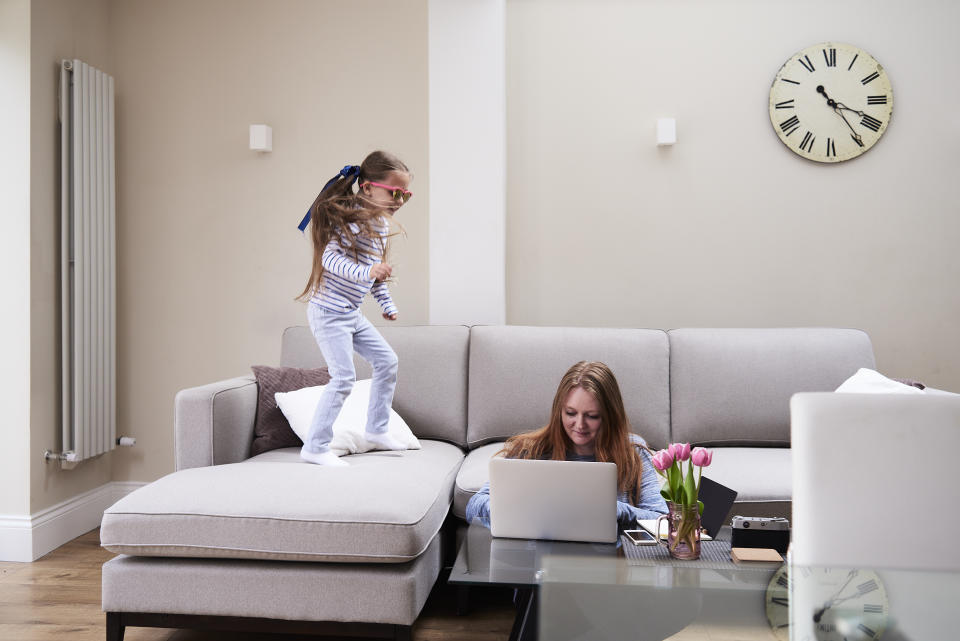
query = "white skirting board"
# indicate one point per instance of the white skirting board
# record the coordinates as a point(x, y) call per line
point(27, 538)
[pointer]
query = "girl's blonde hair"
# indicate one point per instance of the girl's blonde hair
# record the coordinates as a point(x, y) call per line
point(613, 442)
point(337, 207)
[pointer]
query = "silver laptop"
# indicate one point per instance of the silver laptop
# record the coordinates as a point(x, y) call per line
point(556, 500)
point(870, 472)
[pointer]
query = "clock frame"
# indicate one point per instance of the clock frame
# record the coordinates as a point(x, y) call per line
point(826, 604)
point(831, 102)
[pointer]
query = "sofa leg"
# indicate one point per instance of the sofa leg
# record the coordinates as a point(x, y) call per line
point(403, 633)
point(463, 600)
point(115, 628)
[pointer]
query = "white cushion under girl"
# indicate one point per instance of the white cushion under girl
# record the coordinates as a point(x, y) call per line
point(299, 406)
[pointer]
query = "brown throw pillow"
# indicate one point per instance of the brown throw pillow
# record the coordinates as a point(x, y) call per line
point(271, 429)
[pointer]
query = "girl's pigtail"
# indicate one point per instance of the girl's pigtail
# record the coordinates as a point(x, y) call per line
point(325, 215)
point(349, 173)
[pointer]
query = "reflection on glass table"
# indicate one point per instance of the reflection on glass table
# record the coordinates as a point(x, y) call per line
point(614, 598)
point(484, 560)
point(487, 560)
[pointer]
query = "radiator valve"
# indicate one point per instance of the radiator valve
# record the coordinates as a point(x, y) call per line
point(67, 460)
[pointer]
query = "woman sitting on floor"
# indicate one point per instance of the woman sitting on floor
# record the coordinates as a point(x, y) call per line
point(588, 423)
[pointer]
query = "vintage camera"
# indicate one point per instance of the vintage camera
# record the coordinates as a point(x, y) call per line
point(761, 532)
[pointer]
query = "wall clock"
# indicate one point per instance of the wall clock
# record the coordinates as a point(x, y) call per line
point(830, 102)
point(827, 604)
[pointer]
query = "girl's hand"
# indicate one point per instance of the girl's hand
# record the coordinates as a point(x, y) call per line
point(390, 316)
point(380, 271)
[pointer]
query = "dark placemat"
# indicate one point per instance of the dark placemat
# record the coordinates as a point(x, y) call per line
point(714, 555)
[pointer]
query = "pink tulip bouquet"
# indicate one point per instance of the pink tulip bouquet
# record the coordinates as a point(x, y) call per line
point(678, 486)
point(682, 489)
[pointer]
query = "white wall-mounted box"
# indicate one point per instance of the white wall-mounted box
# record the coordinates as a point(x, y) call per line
point(261, 138)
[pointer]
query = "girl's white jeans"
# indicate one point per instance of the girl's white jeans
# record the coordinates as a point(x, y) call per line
point(339, 336)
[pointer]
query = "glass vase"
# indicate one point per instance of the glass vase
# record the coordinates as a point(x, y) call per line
point(683, 533)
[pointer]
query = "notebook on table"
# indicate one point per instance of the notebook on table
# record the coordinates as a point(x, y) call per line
point(554, 500)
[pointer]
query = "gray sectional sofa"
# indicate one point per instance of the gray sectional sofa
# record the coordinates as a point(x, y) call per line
point(269, 542)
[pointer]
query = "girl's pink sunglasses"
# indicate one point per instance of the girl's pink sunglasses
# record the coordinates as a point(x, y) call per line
point(398, 193)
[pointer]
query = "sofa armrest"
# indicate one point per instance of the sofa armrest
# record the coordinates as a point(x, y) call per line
point(213, 424)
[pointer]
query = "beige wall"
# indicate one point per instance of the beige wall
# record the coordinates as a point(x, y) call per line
point(210, 258)
point(59, 29)
point(15, 257)
point(728, 227)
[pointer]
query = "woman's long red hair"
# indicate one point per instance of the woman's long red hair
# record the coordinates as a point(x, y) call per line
point(613, 442)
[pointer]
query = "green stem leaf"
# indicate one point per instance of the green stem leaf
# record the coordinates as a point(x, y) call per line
point(690, 487)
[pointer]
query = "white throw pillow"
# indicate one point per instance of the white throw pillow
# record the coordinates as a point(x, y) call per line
point(299, 406)
point(868, 381)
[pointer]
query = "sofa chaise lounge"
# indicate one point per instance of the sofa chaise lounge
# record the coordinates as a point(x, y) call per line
point(270, 543)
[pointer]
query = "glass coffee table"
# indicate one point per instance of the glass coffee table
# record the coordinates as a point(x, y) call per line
point(581, 591)
point(485, 560)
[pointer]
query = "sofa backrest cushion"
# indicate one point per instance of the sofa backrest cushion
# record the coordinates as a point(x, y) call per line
point(431, 393)
point(733, 386)
point(515, 371)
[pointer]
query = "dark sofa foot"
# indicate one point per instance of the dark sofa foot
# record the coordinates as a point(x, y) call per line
point(114, 627)
point(118, 621)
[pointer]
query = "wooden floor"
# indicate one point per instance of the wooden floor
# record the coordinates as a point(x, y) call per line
point(57, 598)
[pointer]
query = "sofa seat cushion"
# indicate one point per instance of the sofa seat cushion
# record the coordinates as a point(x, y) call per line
point(472, 475)
point(762, 477)
point(383, 507)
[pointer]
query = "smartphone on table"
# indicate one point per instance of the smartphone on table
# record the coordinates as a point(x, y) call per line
point(640, 537)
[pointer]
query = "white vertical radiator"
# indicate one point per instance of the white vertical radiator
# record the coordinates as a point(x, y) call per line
point(88, 262)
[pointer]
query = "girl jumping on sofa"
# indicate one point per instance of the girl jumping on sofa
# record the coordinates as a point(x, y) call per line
point(349, 233)
point(588, 423)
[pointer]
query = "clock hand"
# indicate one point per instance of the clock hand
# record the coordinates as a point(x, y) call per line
point(852, 573)
point(837, 108)
point(855, 135)
point(830, 101)
point(840, 105)
point(842, 599)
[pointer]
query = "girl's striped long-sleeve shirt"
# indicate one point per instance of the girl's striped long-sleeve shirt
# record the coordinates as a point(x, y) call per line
point(346, 274)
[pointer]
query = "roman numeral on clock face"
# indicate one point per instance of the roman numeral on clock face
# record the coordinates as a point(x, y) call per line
point(807, 143)
point(805, 61)
point(871, 123)
point(870, 78)
point(876, 100)
point(830, 56)
point(790, 125)
point(853, 61)
point(867, 587)
point(869, 608)
point(786, 104)
point(867, 631)
point(831, 148)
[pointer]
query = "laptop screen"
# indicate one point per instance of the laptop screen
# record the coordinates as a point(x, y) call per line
point(717, 501)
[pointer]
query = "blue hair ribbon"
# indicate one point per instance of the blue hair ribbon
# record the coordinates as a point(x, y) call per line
point(349, 172)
